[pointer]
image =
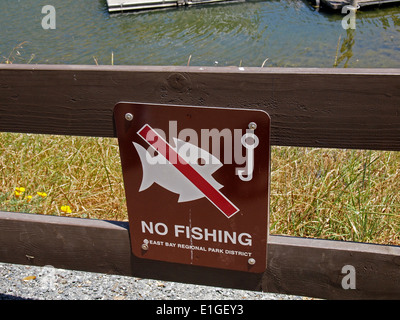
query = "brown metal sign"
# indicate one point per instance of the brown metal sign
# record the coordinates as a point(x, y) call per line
point(197, 183)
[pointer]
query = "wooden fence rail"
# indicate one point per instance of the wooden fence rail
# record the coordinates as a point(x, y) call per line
point(335, 108)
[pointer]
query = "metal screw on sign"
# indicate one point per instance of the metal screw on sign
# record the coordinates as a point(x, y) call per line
point(145, 245)
point(251, 261)
point(252, 126)
point(129, 116)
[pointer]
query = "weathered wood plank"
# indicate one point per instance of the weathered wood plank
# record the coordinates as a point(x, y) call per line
point(68, 243)
point(302, 266)
point(308, 267)
point(336, 108)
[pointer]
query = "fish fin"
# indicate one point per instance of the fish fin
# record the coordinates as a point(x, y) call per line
point(192, 193)
point(217, 185)
point(147, 179)
point(190, 196)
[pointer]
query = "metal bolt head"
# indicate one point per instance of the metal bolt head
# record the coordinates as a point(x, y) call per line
point(252, 126)
point(129, 116)
point(145, 246)
point(251, 261)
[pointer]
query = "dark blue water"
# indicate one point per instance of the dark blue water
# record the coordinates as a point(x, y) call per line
point(290, 33)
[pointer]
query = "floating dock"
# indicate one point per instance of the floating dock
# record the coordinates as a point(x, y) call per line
point(129, 5)
point(339, 4)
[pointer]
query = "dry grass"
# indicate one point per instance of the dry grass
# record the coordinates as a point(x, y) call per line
point(324, 193)
point(82, 173)
point(15, 55)
point(336, 194)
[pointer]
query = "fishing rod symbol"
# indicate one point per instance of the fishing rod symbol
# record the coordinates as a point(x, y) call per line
point(250, 141)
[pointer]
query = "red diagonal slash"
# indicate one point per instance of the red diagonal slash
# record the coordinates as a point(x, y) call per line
point(212, 194)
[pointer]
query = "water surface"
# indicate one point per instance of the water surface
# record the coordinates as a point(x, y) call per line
point(290, 33)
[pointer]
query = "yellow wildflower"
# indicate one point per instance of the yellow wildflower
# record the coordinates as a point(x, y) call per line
point(19, 191)
point(42, 194)
point(28, 198)
point(66, 209)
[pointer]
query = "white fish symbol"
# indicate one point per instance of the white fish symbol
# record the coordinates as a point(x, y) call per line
point(158, 170)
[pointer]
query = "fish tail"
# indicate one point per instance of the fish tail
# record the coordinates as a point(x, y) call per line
point(147, 179)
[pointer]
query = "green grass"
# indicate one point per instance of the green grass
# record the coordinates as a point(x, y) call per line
point(323, 193)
